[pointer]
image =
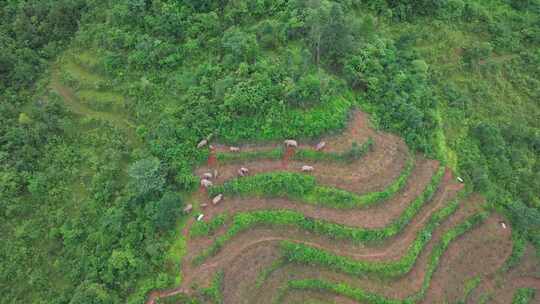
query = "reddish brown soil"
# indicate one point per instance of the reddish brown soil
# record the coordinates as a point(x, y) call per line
point(388, 253)
point(501, 286)
point(480, 253)
point(398, 288)
point(358, 130)
point(244, 257)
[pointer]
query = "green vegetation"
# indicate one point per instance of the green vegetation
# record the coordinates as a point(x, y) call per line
point(265, 273)
point(470, 285)
point(518, 249)
point(354, 153)
point(302, 187)
point(304, 254)
point(102, 104)
point(524, 296)
point(208, 228)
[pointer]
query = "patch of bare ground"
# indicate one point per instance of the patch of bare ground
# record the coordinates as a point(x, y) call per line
point(500, 287)
point(268, 238)
point(478, 253)
point(398, 288)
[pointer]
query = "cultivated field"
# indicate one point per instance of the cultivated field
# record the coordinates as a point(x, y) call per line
point(371, 223)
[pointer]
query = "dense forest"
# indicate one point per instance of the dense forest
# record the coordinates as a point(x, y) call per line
point(102, 105)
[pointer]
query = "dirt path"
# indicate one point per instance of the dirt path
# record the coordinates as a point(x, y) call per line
point(501, 286)
point(378, 215)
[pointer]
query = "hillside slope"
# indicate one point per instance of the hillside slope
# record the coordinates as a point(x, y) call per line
point(104, 102)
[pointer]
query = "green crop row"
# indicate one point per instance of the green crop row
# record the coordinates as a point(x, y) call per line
point(355, 152)
point(304, 188)
point(265, 273)
point(243, 156)
point(214, 292)
point(304, 254)
point(524, 296)
point(373, 298)
point(208, 228)
point(519, 243)
point(245, 220)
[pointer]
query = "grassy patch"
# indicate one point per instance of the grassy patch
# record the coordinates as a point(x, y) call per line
point(524, 296)
point(355, 152)
point(200, 229)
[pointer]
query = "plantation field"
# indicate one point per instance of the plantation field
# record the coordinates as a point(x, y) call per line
point(276, 238)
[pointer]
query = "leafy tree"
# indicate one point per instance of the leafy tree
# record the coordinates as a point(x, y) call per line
point(306, 92)
point(239, 46)
point(146, 176)
point(168, 209)
point(91, 293)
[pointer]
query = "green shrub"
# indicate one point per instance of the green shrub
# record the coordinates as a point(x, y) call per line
point(524, 296)
point(354, 153)
point(215, 291)
point(518, 249)
point(243, 156)
point(207, 228)
point(275, 184)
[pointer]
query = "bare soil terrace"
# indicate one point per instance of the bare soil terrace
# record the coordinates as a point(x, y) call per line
point(479, 252)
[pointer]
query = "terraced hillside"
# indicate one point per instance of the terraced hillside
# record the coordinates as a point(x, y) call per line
point(372, 223)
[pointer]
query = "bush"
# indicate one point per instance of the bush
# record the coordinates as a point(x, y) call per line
point(354, 153)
